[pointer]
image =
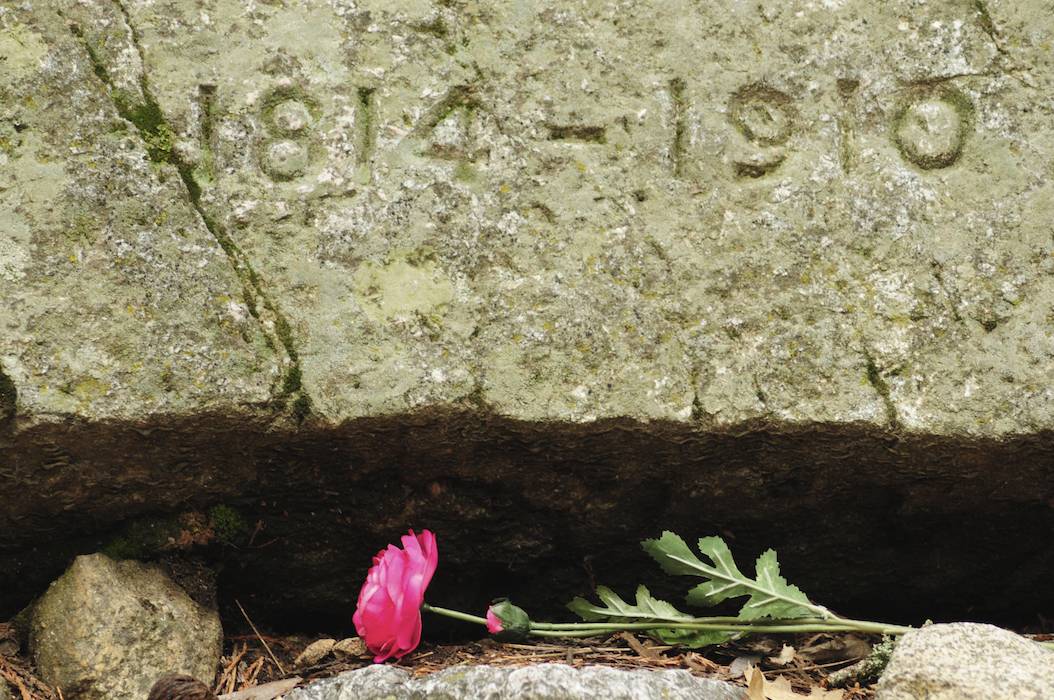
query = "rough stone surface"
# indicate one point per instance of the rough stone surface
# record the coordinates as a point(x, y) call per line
point(966, 661)
point(107, 630)
point(527, 269)
point(809, 212)
point(541, 682)
point(5, 692)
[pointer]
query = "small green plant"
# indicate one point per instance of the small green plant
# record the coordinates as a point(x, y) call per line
point(771, 605)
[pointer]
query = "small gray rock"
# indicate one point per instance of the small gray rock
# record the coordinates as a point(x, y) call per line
point(107, 630)
point(5, 692)
point(967, 661)
point(540, 682)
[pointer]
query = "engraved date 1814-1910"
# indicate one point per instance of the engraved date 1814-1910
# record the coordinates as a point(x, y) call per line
point(930, 126)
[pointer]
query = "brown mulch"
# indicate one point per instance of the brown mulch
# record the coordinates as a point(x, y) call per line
point(254, 659)
point(251, 660)
point(248, 663)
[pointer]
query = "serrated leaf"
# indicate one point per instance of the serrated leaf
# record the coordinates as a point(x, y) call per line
point(673, 554)
point(586, 610)
point(615, 609)
point(728, 581)
point(769, 594)
point(647, 609)
point(777, 598)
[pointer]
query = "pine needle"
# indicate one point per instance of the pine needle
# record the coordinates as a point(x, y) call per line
point(260, 637)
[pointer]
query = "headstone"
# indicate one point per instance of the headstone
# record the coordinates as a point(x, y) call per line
point(662, 258)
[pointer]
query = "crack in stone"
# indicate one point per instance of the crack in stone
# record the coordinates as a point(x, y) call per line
point(760, 393)
point(987, 25)
point(157, 135)
point(875, 378)
point(989, 28)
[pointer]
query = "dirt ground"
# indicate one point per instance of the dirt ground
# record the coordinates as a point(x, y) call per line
point(254, 659)
point(787, 666)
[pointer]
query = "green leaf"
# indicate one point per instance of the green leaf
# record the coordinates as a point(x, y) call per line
point(693, 639)
point(776, 598)
point(769, 594)
point(647, 609)
point(673, 554)
point(615, 609)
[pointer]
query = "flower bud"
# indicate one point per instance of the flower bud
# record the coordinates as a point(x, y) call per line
point(507, 622)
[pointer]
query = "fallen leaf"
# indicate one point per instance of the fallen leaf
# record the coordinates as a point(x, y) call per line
point(785, 656)
point(267, 691)
point(741, 665)
point(756, 687)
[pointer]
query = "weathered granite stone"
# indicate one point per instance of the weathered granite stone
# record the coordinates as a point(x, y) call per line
point(806, 212)
point(127, 335)
point(966, 661)
point(540, 682)
point(107, 630)
point(530, 270)
point(119, 304)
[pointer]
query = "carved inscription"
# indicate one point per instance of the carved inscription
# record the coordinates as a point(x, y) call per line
point(847, 88)
point(288, 116)
point(931, 126)
point(446, 128)
point(765, 117)
point(762, 114)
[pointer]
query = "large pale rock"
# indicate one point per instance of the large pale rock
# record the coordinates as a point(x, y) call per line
point(966, 661)
point(540, 682)
point(107, 630)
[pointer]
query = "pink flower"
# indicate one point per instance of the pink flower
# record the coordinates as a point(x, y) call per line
point(388, 616)
point(493, 622)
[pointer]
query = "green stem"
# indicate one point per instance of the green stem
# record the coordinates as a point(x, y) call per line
point(566, 635)
point(834, 622)
point(732, 623)
point(771, 626)
point(726, 624)
point(454, 614)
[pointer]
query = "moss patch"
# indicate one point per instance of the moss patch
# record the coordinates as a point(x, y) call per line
point(228, 524)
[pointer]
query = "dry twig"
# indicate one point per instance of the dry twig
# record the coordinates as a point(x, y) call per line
point(260, 637)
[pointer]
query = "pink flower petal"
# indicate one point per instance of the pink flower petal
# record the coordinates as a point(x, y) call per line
point(493, 622)
point(388, 613)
